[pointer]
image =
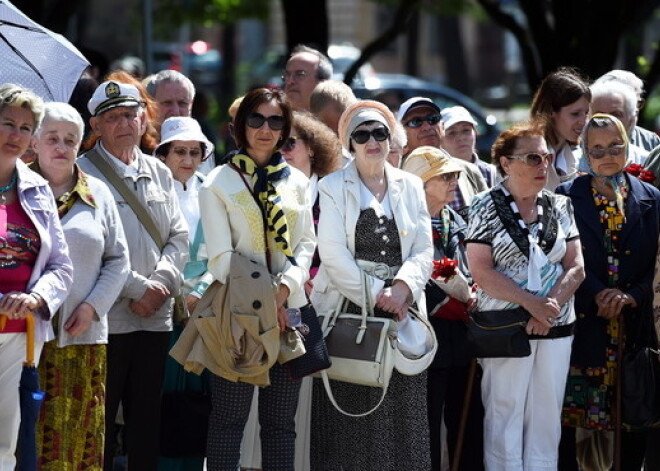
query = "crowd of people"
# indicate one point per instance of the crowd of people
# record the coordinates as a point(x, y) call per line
point(118, 227)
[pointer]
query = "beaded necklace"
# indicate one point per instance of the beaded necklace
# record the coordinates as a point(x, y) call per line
point(9, 187)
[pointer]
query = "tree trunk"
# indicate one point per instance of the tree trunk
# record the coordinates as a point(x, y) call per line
point(451, 37)
point(412, 45)
point(306, 23)
point(227, 81)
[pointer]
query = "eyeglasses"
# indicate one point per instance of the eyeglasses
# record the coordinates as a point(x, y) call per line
point(613, 151)
point(533, 159)
point(361, 136)
point(296, 75)
point(447, 177)
point(275, 122)
point(182, 151)
point(289, 144)
point(417, 121)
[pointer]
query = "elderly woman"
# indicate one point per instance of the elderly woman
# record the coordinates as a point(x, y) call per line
point(447, 301)
point(35, 268)
point(618, 218)
point(241, 203)
point(71, 429)
point(524, 251)
point(562, 102)
point(373, 216)
point(182, 149)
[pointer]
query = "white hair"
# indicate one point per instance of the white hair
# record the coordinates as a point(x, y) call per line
point(626, 77)
point(399, 136)
point(62, 112)
point(168, 75)
point(611, 87)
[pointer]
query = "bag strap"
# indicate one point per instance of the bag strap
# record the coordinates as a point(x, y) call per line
point(129, 196)
point(328, 390)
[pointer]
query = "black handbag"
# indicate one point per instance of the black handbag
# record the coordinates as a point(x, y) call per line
point(640, 393)
point(184, 423)
point(316, 356)
point(498, 334)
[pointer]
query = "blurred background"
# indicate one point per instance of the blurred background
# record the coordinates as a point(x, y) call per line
point(486, 55)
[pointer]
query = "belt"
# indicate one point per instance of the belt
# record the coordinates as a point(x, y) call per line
point(556, 332)
point(379, 270)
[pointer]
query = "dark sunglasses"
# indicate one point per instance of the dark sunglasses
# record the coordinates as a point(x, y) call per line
point(447, 177)
point(416, 122)
point(361, 136)
point(289, 144)
point(533, 159)
point(275, 122)
point(600, 152)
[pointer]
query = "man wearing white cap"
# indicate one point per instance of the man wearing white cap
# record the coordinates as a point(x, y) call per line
point(141, 318)
point(422, 121)
point(460, 140)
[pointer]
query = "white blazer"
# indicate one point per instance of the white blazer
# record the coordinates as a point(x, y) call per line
point(339, 273)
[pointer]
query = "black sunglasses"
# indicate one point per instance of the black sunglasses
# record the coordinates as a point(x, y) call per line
point(417, 121)
point(275, 122)
point(289, 144)
point(600, 152)
point(361, 136)
point(533, 159)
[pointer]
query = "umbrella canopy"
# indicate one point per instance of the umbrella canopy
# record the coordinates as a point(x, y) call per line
point(36, 58)
point(31, 399)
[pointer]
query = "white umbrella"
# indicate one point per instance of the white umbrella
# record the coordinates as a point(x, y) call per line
point(36, 58)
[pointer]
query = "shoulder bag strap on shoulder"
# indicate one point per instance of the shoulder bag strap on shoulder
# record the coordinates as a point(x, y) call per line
point(115, 180)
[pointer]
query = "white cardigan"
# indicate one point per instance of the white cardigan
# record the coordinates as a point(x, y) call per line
point(339, 273)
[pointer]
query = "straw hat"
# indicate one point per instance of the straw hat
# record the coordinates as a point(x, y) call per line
point(427, 162)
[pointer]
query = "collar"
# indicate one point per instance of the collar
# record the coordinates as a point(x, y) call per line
point(27, 178)
point(135, 170)
point(80, 189)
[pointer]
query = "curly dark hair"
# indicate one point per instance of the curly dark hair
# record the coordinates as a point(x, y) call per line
point(507, 140)
point(321, 140)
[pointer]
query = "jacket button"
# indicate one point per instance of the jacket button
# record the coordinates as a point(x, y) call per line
point(256, 305)
point(256, 274)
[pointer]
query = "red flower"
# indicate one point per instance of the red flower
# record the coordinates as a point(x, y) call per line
point(638, 171)
point(444, 268)
point(634, 169)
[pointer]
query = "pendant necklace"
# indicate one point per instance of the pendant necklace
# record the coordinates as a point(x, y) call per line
point(9, 187)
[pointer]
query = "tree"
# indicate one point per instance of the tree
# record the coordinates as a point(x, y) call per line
point(586, 34)
point(306, 23)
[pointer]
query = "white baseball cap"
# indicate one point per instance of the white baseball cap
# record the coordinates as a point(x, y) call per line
point(110, 95)
point(183, 128)
point(415, 102)
point(456, 114)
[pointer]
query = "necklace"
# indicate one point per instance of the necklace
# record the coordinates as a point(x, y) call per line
point(9, 187)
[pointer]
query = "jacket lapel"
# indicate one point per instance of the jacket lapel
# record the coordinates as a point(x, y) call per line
point(583, 204)
point(637, 204)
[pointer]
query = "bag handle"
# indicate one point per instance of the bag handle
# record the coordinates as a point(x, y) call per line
point(367, 310)
point(328, 390)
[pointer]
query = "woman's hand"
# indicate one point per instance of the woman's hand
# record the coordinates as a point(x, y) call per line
point(535, 327)
point(543, 310)
point(80, 319)
point(17, 304)
point(611, 302)
point(191, 302)
point(280, 299)
point(151, 301)
point(396, 299)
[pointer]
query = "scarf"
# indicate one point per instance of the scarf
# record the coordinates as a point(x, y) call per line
point(266, 195)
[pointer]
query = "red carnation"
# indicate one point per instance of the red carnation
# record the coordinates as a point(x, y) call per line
point(647, 176)
point(444, 268)
point(634, 169)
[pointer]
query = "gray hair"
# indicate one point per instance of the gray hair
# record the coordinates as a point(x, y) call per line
point(626, 77)
point(324, 68)
point(169, 76)
point(610, 88)
point(399, 136)
point(15, 95)
point(331, 92)
point(62, 112)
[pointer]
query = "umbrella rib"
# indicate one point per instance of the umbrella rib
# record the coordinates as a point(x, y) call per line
point(22, 56)
point(16, 25)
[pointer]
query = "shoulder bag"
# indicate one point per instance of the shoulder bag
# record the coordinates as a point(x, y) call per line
point(499, 334)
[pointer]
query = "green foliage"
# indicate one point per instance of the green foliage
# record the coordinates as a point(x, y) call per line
point(209, 12)
point(441, 7)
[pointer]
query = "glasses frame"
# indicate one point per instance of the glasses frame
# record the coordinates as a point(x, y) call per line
point(256, 120)
point(384, 134)
point(449, 176)
point(296, 75)
point(289, 144)
point(524, 158)
point(612, 151)
point(418, 121)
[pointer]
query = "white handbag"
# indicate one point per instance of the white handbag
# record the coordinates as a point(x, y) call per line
point(416, 344)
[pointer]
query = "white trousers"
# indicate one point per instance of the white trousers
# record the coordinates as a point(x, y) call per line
point(523, 399)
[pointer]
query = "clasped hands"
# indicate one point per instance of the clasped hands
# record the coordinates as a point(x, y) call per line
point(151, 301)
point(395, 299)
point(544, 311)
point(611, 302)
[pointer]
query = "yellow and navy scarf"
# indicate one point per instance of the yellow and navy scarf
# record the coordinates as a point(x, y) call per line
point(268, 197)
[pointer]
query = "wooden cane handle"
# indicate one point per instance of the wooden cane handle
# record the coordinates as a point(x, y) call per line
point(29, 348)
point(3, 321)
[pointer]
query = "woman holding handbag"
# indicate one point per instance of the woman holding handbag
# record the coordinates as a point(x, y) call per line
point(448, 299)
point(524, 252)
point(374, 223)
point(258, 206)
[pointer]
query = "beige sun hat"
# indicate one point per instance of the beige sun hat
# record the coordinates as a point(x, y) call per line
point(427, 162)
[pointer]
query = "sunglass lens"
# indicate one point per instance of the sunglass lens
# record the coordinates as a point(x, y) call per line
point(289, 144)
point(415, 123)
point(276, 122)
point(380, 134)
point(255, 120)
point(360, 137)
point(433, 119)
point(534, 159)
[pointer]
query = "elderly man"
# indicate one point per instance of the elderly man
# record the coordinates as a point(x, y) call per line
point(422, 122)
point(305, 69)
point(619, 100)
point(141, 318)
point(641, 137)
point(461, 138)
point(329, 100)
point(174, 93)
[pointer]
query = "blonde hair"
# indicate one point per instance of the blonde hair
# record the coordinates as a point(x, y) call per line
point(14, 95)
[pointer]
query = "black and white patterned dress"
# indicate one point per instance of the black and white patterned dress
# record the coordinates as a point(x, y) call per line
point(396, 436)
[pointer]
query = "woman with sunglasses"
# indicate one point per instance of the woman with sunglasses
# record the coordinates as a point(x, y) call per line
point(259, 206)
point(524, 251)
point(373, 219)
point(618, 217)
point(447, 303)
point(562, 103)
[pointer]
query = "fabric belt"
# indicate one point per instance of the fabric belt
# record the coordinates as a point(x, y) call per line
point(379, 270)
point(556, 332)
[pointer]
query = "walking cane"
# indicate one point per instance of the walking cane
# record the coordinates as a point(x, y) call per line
point(464, 415)
point(618, 408)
